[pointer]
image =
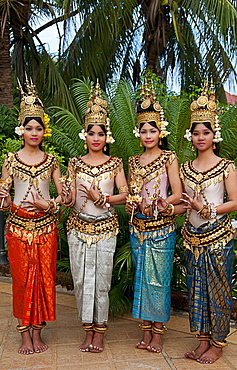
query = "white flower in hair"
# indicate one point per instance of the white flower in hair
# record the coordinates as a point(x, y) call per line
point(136, 132)
point(19, 130)
point(110, 140)
point(82, 135)
point(188, 135)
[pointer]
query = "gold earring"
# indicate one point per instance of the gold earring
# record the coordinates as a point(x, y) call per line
point(193, 148)
point(42, 143)
point(141, 144)
point(160, 142)
point(85, 146)
point(213, 146)
point(105, 148)
point(22, 141)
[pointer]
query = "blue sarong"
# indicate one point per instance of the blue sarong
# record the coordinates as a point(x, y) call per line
point(153, 261)
point(209, 275)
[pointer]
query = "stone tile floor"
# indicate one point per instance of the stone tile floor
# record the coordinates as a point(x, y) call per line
point(64, 336)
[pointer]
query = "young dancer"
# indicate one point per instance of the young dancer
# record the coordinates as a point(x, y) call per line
point(32, 224)
point(153, 233)
point(207, 232)
point(93, 225)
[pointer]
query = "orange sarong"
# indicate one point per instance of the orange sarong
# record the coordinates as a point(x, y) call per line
point(32, 252)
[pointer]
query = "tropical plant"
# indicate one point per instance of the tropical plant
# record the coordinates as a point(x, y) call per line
point(179, 40)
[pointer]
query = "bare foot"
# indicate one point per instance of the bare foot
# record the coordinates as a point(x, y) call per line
point(203, 347)
point(156, 343)
point(145, 340)
point(39, 345)
point(97, 344)
point(26, 347)
point(85, 346)
point(211, 355)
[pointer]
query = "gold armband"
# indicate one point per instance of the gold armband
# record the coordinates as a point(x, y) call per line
point(123, 189)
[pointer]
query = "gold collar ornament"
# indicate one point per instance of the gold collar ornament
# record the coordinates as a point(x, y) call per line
point(204, 109)
point(96, 113)
point(149, 101)
point(31, 106)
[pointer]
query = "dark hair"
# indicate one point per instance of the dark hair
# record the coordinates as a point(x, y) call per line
point(39, 120)
point(163, 142)
point(208, 126)
point(104, 130)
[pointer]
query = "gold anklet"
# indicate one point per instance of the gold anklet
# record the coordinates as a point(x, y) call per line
point(203, 336)
point(100, 329)
point(145, 327)
point(88, 327)
point(39, 326)
point(22, 328)
point(218, 343)
point(159, 331)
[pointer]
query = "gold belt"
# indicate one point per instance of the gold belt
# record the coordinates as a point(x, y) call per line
point(31, 228)
point(223, 230)
point(31, 224)
point(214, 238)
point(144, 225)
point(101, 227)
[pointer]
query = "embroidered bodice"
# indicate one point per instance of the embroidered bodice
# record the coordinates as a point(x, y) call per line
point(27, 178)
point(209, 184)
point(103, 176)
point(152, 179)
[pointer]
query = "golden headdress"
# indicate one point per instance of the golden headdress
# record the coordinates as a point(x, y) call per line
point(96, 113)
point(149, 101)
point(31, 106)
point(204, 109)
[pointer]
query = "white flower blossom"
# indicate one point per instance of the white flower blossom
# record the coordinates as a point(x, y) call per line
point(19, 130)
point(136, 132)
point(188, 135)
point(82, 135)
point(110, 140)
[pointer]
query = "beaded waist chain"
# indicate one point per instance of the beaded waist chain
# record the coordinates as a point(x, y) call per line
point(144, 225)
point(92, 228)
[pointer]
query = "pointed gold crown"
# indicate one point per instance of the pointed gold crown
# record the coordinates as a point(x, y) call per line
point(96, 113)
point(149, 100)
point(31, 105)
point(204, 109)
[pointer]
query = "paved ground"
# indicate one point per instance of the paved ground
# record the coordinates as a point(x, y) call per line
point(64, 336)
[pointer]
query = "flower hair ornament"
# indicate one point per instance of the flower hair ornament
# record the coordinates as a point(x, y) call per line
point(31, 106)
point(204, 109)
point(148, 102)
point(96, 113)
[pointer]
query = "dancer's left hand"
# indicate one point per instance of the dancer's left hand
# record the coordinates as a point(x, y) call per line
point(38, 203)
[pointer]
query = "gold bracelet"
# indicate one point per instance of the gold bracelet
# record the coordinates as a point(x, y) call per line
point(101, 201)
point(68, 205)
point(207, 213)
point(168, 210)
point(201, 209)
point(4, 209)
point(49, 206)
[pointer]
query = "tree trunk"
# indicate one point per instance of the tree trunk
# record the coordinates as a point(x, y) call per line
point(6, 93)
point(157, 17)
